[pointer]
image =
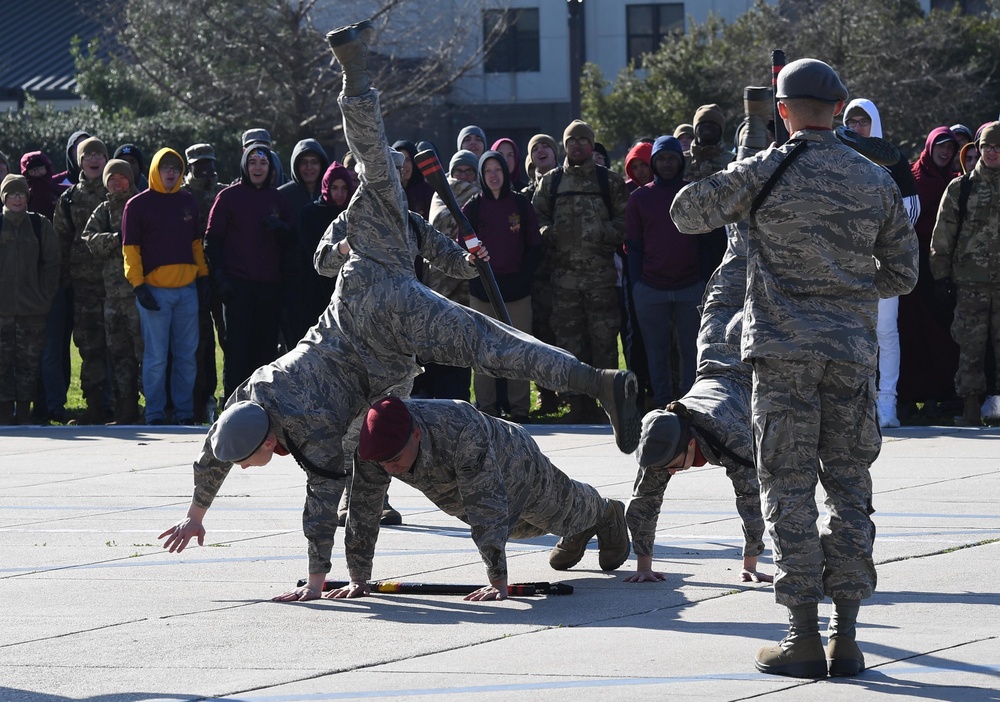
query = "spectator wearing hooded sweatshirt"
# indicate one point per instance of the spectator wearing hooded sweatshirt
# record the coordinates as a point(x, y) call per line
point(29, 277)
point(314, 290)
point(161, 241)
point(637, 166)
point(862, 116)
point(506, 223)
point(665, 272)
point(473, 139)
point(928, 356)
point(122, 328)
point(248, 228)
point(707, 154)
point(86, 275)
point(508, 149)
point(71, 175)
point(43, 192)
point(130, 154)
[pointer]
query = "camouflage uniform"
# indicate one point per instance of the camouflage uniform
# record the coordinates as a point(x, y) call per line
point(702, 161)
point(971, 259)
point(831, 238)
point(487, 472)
point(29, 276)
point(86, 274)
point(207, 379)
point(122, 331)
point(581, 238)
point(719, 404)
point(364, 344)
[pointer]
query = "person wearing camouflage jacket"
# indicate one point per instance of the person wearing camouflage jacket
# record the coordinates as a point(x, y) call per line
point(121, 318)
point(583, 224)
point(485, 471)
point(85, 273)
point(716, 412)
point(364, 345)
point(827, 239)
point(966, 253)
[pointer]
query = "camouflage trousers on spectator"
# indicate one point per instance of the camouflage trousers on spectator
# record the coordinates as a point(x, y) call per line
point(586, 323)
point(815, 420)
point(21, 341)
point(90, 339)
point(976, 322)
point(124, 339)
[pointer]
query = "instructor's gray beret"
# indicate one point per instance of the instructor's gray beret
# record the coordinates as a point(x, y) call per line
point(811, 80)
point(660, 440)
point(239, 431)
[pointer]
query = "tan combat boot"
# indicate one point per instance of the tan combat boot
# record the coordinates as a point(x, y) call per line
point(800, 654)
point(612, 537)
point(350, 47)
point(570, 549)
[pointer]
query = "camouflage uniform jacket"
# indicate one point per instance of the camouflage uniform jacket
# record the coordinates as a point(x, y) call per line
point(455, 289)
point(971, 255)
point(79, 266)
point(474, 467)
point(702, 161)
point(831, 238)
point(581, 236)
point(29, 266)
point(103, 236)
point(204, 195)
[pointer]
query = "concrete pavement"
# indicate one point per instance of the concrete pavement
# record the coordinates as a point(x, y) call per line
point(92, 609)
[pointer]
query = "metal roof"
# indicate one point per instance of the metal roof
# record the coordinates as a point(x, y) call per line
point(35, 54)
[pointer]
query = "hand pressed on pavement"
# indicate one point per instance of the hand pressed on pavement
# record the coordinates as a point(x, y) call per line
point(354, 589)
point(181, 533)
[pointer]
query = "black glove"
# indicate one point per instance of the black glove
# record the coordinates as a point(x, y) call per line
point(145, 297)
point(204, 291)
point(222, 286)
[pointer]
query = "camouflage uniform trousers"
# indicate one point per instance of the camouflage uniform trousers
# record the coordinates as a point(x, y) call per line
point(586, 323)
point(720, 409)
point(391, 318)
point(977, 315)
point(22, 339)
point(815, 420)
point(124, 339)
point(90, 339)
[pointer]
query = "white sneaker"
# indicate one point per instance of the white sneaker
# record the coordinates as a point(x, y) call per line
point(887, 418)
point(991, 408)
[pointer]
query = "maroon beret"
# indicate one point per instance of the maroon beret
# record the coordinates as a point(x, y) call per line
point(385, 431)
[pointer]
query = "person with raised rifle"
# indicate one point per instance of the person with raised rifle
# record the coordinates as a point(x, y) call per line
point(364, 345)
point(486, 471)
point(828, 236)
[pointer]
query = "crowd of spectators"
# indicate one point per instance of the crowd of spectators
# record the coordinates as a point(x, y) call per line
point(144, 266)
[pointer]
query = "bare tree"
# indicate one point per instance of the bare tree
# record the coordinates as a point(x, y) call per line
point(266, 62)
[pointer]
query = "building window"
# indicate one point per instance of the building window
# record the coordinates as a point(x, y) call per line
point(649, 25)
point(512, 41)
point(967, 7)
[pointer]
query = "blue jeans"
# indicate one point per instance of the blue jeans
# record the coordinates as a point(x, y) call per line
point(664, 314)
point(172, 329)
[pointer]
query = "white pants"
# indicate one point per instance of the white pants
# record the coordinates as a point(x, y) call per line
point(888, 347)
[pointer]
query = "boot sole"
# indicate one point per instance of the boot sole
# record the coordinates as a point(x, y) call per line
point(619, 516)
point(626, 419)
point(344, 35)
point(814, 669)
point(845, 668)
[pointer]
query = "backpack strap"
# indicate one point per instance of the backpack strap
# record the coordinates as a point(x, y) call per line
point(603, 182)
point(762, 196)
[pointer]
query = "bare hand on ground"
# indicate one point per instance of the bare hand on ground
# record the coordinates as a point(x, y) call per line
point(181, 533)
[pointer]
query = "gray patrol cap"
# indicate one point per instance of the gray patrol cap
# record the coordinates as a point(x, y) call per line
point(197, 152)
point(660, 440)
point(258, 135)
point(239, 431)
point(810, 79)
